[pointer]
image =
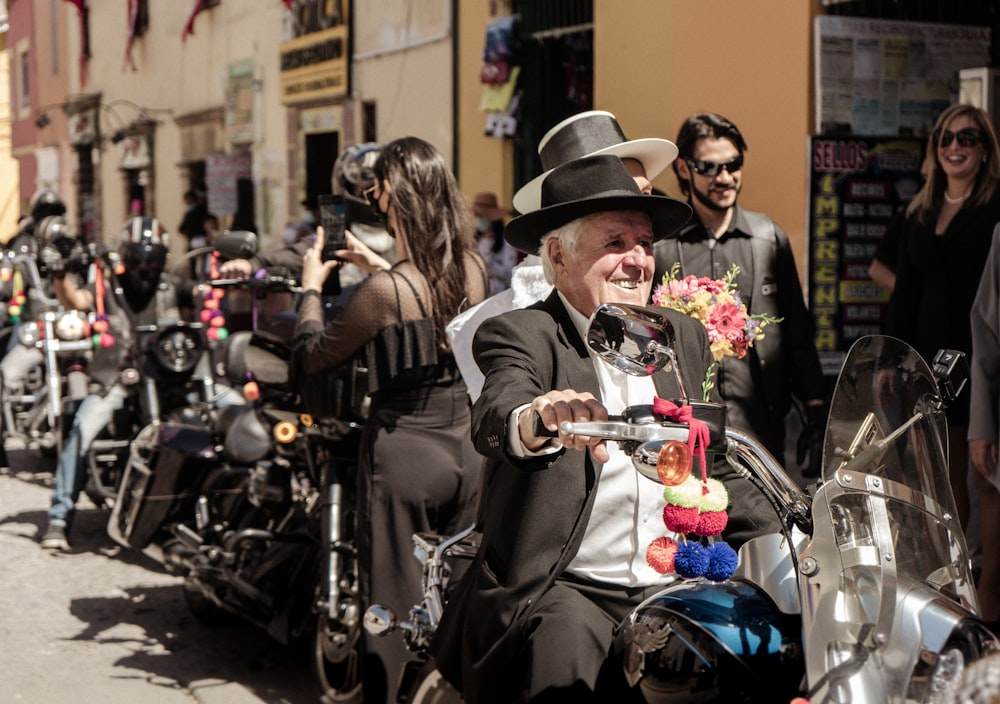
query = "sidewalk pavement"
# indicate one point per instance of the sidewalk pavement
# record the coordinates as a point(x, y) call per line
point(103, 624)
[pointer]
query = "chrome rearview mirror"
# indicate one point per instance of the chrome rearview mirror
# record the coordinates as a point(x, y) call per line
point(638, 340)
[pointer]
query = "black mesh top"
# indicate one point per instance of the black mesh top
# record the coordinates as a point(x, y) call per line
point(388, 323)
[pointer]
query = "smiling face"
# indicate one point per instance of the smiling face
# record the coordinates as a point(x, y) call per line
point(611, 263)
point(716, 192)
point(960, 162)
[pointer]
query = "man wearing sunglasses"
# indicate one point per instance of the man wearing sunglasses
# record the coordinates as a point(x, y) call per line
point(758, 389)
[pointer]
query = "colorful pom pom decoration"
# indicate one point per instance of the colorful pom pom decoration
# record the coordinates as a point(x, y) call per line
point(694, 505)
point(660, 555)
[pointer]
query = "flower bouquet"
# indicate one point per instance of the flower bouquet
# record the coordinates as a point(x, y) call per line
point(719, 307)
point(697, 505)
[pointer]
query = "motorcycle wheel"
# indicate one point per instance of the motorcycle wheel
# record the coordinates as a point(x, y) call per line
point(429, 687)
point(337, 661)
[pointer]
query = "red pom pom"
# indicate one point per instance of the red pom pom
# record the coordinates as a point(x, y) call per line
point(205, 315)
point(211, 305)
point(119, 269)
point(711, 523)
point(660, 555)
point(100, 326)
point(106, 340)
point(217, 321)
point(679, 519)
point(251, 392)
point(212, 333)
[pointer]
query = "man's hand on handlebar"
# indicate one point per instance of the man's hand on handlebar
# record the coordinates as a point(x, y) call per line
point(556, 407)
point(235, 269)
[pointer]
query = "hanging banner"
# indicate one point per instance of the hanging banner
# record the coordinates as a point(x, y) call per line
point(857, 185)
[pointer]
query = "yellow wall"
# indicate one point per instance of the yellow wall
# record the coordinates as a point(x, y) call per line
point(10, 206)
point(658, 61)
point(484, 163)
point(751, 62)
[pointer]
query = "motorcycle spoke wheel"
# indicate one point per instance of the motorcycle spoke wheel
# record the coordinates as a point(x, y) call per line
point(337, 661)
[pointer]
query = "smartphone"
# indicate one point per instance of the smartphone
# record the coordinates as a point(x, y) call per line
point(331, 217)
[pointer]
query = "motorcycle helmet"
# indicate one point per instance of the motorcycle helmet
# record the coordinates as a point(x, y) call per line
point(43, 203)
point(353, 172)
point(60, 249)
point(143, 251)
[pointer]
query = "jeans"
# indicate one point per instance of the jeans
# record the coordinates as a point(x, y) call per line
point(94, 414)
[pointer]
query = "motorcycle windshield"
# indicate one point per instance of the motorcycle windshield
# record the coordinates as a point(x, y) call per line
point(886, 448)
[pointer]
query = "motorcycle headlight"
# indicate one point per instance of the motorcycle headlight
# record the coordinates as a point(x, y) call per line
point(29, 333)
point(177, 350)
point(72, 325)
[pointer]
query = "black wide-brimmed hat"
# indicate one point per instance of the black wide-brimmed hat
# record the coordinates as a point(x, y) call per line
point(588, 134)
point(593, 184)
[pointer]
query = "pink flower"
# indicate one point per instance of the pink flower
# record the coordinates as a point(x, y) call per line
point(726, 321)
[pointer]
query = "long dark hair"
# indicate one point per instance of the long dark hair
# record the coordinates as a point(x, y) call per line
point(433, 216)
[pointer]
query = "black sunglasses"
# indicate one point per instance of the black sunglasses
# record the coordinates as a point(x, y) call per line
point(711, 168)
point(967, 137)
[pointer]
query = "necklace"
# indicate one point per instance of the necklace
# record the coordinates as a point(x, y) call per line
point(956, 200)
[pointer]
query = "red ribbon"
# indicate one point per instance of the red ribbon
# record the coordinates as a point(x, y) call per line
point(698, 437)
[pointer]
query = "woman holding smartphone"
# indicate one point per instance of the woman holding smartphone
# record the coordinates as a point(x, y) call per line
point(418, 470)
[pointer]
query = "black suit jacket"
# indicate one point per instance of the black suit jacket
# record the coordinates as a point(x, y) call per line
point(534, 511)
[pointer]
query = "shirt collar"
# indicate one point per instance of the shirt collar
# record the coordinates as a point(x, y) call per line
point(696, 232)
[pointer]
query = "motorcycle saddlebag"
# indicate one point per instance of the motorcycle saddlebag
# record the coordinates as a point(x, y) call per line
point(166, 468)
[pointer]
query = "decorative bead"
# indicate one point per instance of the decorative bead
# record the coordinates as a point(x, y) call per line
point(251, 392)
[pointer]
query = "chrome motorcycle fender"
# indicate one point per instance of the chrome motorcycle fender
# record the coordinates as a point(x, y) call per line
point(701, 641)
point(167, 466)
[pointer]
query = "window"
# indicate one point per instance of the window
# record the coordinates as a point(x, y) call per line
point(23, 68)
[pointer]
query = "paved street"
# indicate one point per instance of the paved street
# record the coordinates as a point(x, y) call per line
point(101, 624)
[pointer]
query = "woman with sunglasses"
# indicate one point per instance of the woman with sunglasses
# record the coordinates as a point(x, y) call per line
point(418, 470)
point(943, 247)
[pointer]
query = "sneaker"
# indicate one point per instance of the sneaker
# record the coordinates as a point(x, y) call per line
point(55, 539)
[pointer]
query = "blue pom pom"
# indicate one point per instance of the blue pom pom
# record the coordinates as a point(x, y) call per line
point(722, 561)
point(691, 559)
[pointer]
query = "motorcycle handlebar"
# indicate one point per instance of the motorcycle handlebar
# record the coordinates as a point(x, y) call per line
point(752, 459)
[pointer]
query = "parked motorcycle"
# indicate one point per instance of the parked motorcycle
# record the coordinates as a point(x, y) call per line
point(866, 596)
point(256, 509)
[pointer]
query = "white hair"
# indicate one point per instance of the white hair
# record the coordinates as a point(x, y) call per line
point(569, 239)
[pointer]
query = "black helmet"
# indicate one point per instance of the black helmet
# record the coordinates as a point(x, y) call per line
point(354, 171)
point(45, 202)
point(61, 250)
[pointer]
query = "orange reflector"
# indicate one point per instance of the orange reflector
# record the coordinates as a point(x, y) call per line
point(306, 420)
point(285, 432)
point(673, 465)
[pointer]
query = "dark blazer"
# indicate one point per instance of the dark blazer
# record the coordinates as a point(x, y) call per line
point(534, 511)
